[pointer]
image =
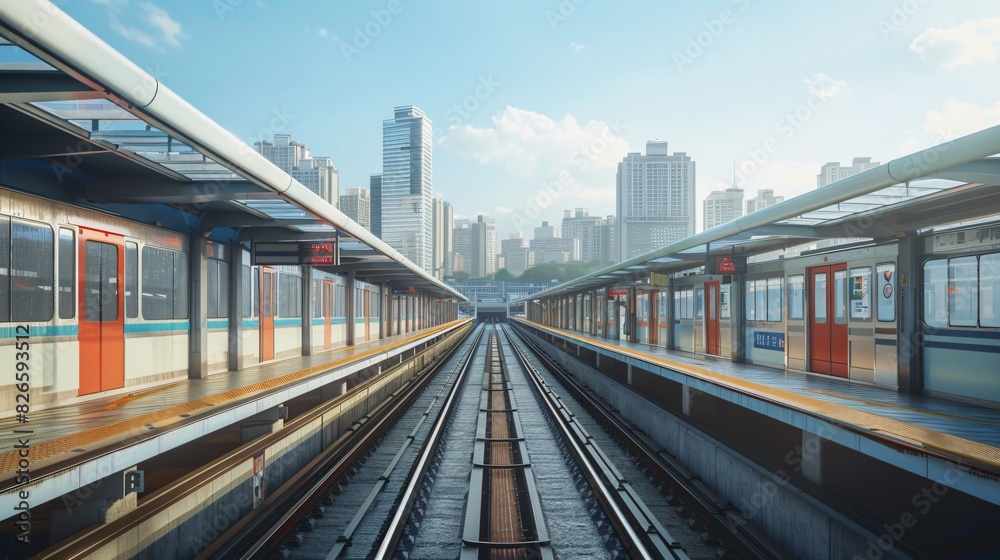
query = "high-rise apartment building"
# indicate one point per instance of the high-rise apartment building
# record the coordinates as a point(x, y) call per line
point(516, 256)
point(444, 225)
point(833, 171)
point(357, 206)
point(764, 198)
point(723, 206)
point(483, 246)
point(317, 174)
point(375, 190)
point(578, 224)
point(655, 199)
point(545, 231)
point(406, 220)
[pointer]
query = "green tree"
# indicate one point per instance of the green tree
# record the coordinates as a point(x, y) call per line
point(503, 275)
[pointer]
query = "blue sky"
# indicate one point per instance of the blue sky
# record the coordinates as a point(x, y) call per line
point(534, 102)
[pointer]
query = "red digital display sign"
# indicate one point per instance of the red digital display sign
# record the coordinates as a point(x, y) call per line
point(313, 253)
point(729, 265)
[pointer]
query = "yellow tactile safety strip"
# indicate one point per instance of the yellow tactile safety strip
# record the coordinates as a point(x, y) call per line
point(52, 448)
point(136, 396)
point(929, 440)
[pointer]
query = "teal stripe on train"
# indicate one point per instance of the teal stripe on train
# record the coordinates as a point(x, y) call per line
point(218, 324)
point(40, 331)
point(157, 327)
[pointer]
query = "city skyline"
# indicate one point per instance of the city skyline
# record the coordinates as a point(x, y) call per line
point(510, 143)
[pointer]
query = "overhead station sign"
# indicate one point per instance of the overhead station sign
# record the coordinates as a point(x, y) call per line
point(727, 264)
point(310, 253)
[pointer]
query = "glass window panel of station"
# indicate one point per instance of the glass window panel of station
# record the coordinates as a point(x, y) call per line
point(936, 293)
point(989, 290)
point(67, 273)
point(32, 272)
point(819, 298)
point(317, 301)
point(963, 291)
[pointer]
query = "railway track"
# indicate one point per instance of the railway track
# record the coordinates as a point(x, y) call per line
point(490, 454)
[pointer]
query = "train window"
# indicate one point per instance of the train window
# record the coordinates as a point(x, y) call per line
point(67, 273)
point(760, 299)
point(774, 302)
point(359, 302)
point(131, 280)
point(164, 284)
point(340, 295)
point(840, 297)
point(989, 290)
point(32, 272)
point(317, 294)
point(963, 291)
point(268, 296)
point(4, 268)
point(750, 301)
point(289, 295)
point(218, 288)
point(256, 295)
point(796, 299)
point(246, 297)
point(819, 298)
point(859, 286)
point(936, 293)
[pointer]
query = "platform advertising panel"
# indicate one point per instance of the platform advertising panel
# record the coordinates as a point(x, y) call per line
point(258, 478)
point(886, 278)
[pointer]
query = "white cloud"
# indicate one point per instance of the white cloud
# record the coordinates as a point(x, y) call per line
point(824, 85)
point(577, 47)
point(160, 22)
point(958, 119)
point(168, 27)
point(529, 144)
point(967, 44)
point(323, 32)
point(131, 33)
point(548, 165)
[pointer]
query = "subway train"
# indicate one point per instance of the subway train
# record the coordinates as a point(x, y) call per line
point(101, 303)
point(833, 311)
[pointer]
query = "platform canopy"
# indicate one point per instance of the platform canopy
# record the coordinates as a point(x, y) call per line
point(83, 125)
point(953, 184)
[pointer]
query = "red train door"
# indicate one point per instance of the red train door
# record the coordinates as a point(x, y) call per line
point(327, 314)
point(266, 313)
point(102, 311)
point(712, 318)
point(828, 320)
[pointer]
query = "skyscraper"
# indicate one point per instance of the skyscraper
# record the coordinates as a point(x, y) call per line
point(655, 199)
point(833, 171)
point(444, 224)
point(357, 206)
point(375, 188)
point(723, 206)
point(580, 225)
point(406, 219)
point(316, 174)
point(764, 198)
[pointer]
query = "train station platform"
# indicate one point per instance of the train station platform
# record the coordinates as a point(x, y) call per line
point(74, 445)
point(924, 435)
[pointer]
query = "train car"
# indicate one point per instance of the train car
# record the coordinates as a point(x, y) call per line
point(960, 324)
point(102, 303)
